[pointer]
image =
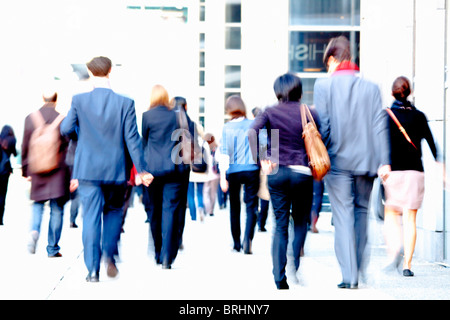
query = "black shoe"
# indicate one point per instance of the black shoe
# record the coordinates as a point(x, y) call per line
point(344, 285)
point(282, 285)
point(73, 225)
point(248, 247)
point(92, 277)
point(57, 255)
point(166, 266)
point(408, 273)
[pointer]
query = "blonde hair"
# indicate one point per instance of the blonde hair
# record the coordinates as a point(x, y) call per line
point(159, 97)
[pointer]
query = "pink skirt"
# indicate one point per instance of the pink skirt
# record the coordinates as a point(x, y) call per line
point(405, 189)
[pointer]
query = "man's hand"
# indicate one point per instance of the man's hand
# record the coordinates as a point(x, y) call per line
point(147, 178)
point(73, 185)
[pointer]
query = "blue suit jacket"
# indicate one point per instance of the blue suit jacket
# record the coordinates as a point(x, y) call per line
point(107, 136)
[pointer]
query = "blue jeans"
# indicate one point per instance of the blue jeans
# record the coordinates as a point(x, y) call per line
point(191, 198)
point(291, 193)
point(55, 224)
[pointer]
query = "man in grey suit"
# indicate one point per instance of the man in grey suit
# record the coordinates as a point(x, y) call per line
point(354, 130)
point(105, 123)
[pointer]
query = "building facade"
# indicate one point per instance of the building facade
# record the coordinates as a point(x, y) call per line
point(246, 44)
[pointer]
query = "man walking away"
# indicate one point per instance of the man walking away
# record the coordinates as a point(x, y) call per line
point(107, 137)
point(46, 184)
point(354, 129)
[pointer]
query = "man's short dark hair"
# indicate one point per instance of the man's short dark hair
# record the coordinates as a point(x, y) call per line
point(339, 48)
point(288, 87)
point(99, 66)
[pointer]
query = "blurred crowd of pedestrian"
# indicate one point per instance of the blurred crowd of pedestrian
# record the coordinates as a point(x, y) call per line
point(101, 160)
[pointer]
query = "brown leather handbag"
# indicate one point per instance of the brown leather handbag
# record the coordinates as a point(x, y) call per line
point(319, 160)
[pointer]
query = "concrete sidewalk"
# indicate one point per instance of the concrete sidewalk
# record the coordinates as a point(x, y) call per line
point(206, 269)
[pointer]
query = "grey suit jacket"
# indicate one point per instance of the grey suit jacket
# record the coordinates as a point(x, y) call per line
point(353, 123)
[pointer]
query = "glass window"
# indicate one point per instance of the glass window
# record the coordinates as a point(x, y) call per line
point(202, 41)
point(201, 121)
point(233, 11)
point(201, 105)
point(202, 78)
point(307, 48)
point(233, 38)
point(308, 90)
point(202, 13)
point(202, 59)
point(232, 76)
point(325, 12)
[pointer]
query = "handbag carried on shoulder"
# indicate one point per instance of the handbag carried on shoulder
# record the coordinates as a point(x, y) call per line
point(319, 160)
point(400, 127)
point(191, 152)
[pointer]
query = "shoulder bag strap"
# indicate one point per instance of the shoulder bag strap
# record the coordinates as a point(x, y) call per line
point(37, 119)
point(306, 115)
point(57, 120)
point(400, 127)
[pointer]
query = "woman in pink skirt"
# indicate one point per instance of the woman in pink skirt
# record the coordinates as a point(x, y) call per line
point(404, 186)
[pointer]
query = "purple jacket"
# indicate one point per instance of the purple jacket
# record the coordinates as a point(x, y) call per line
point(290, 147)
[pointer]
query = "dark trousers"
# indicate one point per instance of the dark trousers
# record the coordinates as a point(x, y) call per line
point(291, 194)
point(349, 198)
point(263, 213)
point(4, 178)
point(102, 221)
point(319, 187)
point(166, 196)
point(250, 181)
point(183, 205)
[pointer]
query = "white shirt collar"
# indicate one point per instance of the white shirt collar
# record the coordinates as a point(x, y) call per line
point(101, 82)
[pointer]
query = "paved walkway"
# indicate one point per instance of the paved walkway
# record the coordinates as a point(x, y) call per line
point(206, 269)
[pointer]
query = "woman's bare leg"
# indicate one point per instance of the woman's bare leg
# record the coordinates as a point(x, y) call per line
point(409, 236)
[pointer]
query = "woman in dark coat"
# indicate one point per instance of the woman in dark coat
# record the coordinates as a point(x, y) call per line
point(52, 186)
point(166, 196)
point(7, 147)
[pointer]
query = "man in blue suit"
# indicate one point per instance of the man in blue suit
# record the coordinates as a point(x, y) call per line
point(107, 138)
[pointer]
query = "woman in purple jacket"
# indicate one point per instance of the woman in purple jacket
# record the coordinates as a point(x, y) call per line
point(290, 178)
